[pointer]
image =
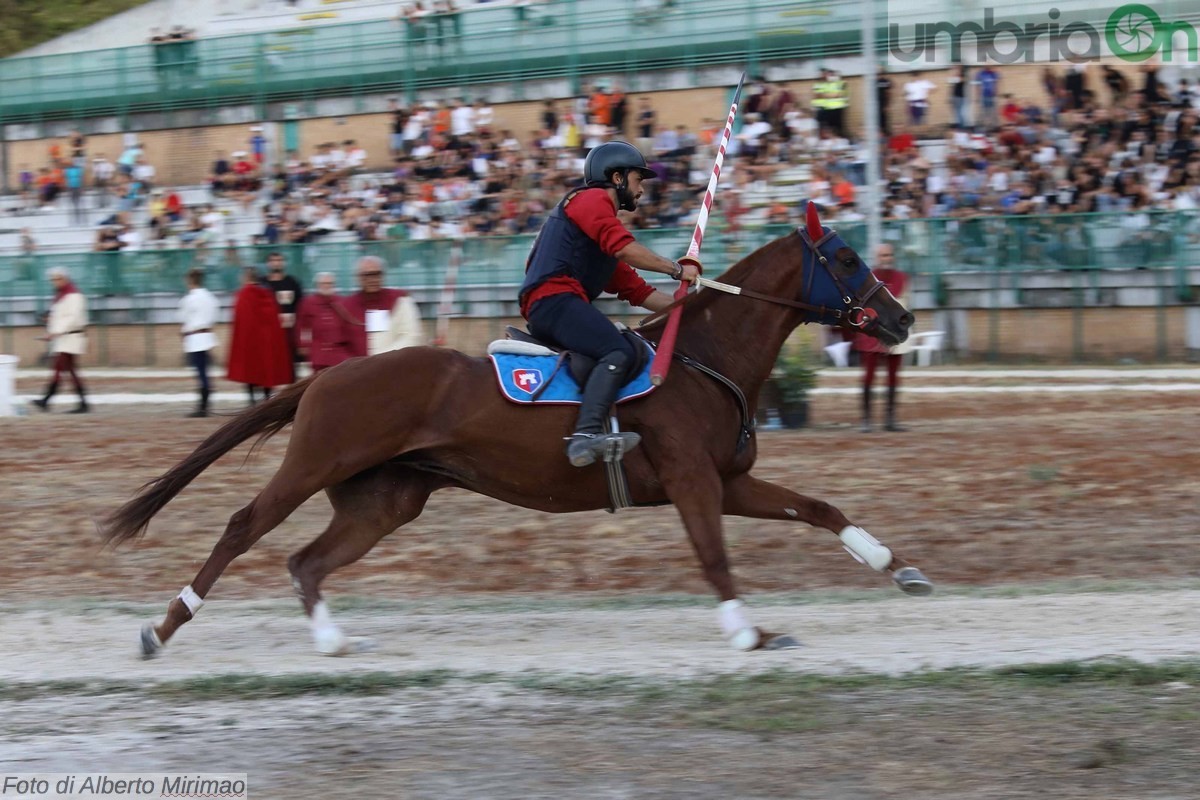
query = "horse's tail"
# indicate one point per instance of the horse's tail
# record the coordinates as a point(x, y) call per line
point(264, 420)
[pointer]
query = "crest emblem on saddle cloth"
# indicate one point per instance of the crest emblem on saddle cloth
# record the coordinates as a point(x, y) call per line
point(527, 380)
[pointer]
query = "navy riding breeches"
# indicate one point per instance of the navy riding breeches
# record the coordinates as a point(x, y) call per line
point(569, 321)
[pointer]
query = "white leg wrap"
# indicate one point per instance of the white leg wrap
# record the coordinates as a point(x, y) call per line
point(736, 626)
point(865, 548)
point(326, 634)
point(190, 599)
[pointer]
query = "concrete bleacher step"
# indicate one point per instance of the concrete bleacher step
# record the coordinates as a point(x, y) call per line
point(792, 175)
point(271, 18)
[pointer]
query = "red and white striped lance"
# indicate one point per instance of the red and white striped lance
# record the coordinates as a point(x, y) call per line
point(666, 346)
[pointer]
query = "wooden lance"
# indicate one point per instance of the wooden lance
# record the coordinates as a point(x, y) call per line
point(666, 346)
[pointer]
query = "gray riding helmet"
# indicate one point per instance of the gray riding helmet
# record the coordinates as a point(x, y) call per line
point(603, 160)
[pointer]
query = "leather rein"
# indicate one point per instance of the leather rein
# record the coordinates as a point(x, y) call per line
point(853, 310)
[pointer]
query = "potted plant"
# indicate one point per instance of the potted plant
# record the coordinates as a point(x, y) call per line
point(793, 377)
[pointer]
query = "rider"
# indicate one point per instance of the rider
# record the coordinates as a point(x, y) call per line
point(582, 250)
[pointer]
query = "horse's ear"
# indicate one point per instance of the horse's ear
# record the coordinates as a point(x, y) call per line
point(813, 222)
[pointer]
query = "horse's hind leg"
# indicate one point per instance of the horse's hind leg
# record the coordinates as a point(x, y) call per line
point(367, 508)
point(272, 506)
point(746, 496)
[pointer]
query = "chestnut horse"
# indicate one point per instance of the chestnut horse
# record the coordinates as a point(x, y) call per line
point(380, 434)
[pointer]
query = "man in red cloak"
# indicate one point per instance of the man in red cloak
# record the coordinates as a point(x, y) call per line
point(259, 354)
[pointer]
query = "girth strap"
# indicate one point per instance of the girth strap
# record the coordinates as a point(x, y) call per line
point(747, 427)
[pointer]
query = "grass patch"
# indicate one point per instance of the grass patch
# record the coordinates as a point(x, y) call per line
point(30, 22)
point(29, 691)
point(772, 692)
point(258, 687)
point(1043, 474)
point(792, 702)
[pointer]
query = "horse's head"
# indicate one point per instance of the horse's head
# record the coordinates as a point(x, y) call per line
point(841, 290)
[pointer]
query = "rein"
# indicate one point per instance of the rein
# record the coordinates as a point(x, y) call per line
point(853, 311)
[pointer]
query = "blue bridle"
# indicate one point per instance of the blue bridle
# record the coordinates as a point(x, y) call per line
point(851, 299)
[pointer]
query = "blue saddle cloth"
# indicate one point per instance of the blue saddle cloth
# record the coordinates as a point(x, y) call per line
point(522, 376)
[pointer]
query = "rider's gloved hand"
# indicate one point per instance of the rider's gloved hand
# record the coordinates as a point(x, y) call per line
point(688, 268)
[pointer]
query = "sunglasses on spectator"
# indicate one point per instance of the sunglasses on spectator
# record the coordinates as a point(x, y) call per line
point(369, 274)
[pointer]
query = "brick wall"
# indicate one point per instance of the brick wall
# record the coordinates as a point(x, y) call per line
point(1107, 334)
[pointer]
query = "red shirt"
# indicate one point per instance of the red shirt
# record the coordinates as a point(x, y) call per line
point(594, 213)
point(358, 304)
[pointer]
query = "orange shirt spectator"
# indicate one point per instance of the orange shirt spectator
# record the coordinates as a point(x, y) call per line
point(778, 213)
point(600, 107)
point(843, 192)
point(441, 122)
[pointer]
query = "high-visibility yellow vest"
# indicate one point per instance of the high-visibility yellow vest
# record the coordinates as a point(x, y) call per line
point(830, 94)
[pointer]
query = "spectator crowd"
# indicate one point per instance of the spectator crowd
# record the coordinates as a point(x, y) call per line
point(1094, 141)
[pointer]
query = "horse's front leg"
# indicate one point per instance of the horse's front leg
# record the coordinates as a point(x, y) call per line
point(747, 496)
point(697, 496)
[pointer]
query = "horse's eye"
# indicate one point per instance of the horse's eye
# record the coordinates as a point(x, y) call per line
point(849, 263)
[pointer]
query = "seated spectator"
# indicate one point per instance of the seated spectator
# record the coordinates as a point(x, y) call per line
point(221, 178)
point(174, 206)
point(843, 191)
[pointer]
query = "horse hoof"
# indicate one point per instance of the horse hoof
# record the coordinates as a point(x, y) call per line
point(151, 644)
point(746, 639)
point(912, 581)
point(350, 645)
point(779, 641)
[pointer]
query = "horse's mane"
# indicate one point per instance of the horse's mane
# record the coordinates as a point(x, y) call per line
point(698, 302)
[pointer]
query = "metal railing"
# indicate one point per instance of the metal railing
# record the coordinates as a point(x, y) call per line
point(1005, 245)
point(564, 39)
point(991, 263)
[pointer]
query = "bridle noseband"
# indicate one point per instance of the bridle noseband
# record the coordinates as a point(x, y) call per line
point(854, 310)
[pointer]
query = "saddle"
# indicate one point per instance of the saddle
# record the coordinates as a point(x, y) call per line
point(581, 366)
point(531, 371)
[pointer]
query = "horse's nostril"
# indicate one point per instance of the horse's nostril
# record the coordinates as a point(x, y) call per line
point(906, 321)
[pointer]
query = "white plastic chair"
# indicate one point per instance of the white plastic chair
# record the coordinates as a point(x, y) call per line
point(926, 344)
point(839, 353)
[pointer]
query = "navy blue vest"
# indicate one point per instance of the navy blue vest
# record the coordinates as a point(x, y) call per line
point(561, 248)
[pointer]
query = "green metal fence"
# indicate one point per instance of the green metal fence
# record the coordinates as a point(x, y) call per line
point(1000, 255)
point(564, 39)
point(1006, 247)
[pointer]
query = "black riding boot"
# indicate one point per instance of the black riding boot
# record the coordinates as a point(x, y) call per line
point(44, 403)
point(202, 409)
point(866, 409)
point(83, 406)
point(890, 424)
point(589, 440)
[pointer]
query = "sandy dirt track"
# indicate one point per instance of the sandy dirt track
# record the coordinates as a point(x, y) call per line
point(493, 736)
point(875, 635)
point(991, 495)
